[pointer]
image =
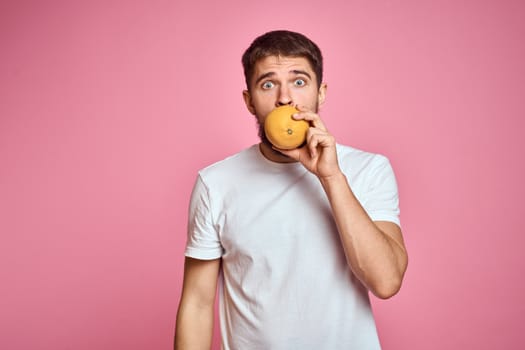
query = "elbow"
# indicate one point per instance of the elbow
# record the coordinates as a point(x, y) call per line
point(387, 289)
point(388, 286)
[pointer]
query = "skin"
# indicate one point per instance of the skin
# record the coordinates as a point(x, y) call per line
point(375, 251)
point(281, 81)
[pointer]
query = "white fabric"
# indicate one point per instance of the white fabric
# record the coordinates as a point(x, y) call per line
point(285, 283)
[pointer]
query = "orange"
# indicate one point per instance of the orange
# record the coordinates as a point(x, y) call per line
point(282, 130)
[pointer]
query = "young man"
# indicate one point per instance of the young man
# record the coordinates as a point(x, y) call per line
point(297, 238)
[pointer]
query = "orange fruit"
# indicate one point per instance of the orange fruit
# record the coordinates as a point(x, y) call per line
point(282, 130)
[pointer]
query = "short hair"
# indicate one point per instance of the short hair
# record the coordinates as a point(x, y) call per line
point(282, 43)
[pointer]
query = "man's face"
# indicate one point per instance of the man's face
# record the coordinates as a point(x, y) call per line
point(280, 81)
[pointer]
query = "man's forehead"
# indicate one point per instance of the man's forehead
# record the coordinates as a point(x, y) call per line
point(285, 63)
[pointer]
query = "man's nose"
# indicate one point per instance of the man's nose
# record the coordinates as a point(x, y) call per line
point(284, 97)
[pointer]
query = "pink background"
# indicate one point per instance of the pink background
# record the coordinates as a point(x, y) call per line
point(108, 109)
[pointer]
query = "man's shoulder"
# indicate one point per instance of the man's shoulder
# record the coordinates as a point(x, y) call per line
point(354, 157)
point(231, 164)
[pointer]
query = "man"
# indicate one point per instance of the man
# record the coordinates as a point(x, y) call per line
point(296, 238)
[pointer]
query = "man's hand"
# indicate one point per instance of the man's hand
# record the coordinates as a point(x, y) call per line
point(319, 154)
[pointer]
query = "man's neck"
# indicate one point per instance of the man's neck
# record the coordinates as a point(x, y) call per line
point(273, 155)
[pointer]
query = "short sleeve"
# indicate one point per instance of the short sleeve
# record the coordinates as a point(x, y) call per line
point(203, 240)
point(382, 199)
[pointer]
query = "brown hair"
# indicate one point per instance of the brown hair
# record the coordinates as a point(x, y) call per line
point(282, 43)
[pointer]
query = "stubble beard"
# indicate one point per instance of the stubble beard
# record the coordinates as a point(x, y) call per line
point(262, 134)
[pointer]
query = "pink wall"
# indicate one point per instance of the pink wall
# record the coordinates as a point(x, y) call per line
point(108, 109)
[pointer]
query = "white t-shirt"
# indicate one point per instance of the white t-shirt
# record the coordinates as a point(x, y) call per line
point(285, 283)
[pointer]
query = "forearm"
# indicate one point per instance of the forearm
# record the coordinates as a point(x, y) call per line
point(377, 259)
point(194, 327)
point(195, 315)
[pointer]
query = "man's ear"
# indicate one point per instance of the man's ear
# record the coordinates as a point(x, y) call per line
point(322, 94)
point(248, 101)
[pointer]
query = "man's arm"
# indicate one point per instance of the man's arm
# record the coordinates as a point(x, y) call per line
point(195, 315)
point(374, 250)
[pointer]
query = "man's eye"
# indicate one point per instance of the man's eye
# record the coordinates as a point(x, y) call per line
point(300, 82)
point(267, 85)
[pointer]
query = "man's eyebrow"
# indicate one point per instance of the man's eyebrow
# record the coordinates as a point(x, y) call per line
point(294, 71)
point(301, 72)
point(264, 76)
